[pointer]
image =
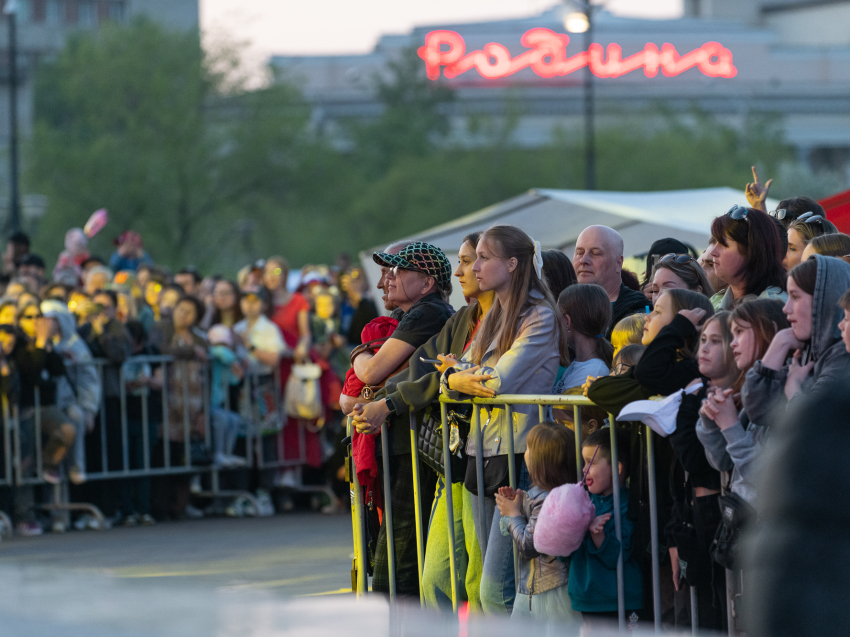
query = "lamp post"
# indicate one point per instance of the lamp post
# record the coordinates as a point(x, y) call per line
point(582, 22)
point(13, 224)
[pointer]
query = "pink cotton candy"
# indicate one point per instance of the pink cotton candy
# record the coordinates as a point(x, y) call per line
point(563, 520)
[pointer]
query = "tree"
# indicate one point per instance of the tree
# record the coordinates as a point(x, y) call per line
point(143, 122)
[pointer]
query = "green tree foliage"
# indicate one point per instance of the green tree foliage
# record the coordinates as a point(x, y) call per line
point(142, 122)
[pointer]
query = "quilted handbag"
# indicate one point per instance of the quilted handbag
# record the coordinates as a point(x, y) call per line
point(431, 441)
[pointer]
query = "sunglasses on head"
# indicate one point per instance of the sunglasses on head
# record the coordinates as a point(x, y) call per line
point(810, 217)
point(738, 212)
point(779, 213)
point(681, 259)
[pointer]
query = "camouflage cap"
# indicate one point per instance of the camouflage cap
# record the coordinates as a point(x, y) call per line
point(420, 257)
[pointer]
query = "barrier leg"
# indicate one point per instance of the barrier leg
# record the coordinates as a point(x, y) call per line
point(730, 596)
point(694, 611)
point(577, 435)
point(417, 505)
point(450, 512)
point(125, 438)
point(359, 524)
point(479, 474)
point(618, 528)
point(388, 510)
point(512, 480)
point(653, 530)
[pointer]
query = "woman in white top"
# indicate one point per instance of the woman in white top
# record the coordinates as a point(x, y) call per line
point(516, 350)
point(586, 309)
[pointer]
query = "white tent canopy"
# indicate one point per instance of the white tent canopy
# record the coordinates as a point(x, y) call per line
point(557, 217)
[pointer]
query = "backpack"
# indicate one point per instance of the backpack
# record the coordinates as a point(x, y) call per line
point(303, 394)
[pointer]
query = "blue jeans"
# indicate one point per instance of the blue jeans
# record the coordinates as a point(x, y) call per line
point(498, 587)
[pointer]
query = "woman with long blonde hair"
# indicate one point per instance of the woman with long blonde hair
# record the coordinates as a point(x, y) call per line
point(516, 350)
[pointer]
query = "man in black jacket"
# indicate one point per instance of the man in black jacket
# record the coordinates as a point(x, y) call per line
point(598, 259)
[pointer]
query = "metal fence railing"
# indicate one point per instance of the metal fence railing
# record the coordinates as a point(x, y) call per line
point(507, 402)
point(175, 413)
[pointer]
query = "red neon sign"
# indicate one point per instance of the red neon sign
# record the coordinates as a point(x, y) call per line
point(547, 57)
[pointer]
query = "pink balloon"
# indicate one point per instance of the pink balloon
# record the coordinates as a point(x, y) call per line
point(96, 222)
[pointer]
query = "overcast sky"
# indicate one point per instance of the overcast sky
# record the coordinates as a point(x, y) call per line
point(344, 26)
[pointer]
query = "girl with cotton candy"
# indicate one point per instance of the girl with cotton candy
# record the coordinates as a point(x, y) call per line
point(516, 350)
point(542, 587)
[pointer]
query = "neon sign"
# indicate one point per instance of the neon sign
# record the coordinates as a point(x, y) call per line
point(547, 57)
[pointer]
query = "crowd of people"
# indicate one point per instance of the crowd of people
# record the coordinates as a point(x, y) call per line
point(82, 362)
point(739, 334)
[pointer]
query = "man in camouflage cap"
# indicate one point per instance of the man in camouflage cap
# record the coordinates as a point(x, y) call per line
point(420, 257)
point(418, 279)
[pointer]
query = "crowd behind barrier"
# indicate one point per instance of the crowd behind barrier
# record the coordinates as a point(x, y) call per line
point(132, 394)
point(575, 445)
point(664, 393)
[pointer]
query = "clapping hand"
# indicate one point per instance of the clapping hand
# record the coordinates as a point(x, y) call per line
point(509, 501)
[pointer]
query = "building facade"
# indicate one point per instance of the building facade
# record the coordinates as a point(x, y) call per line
point(726, 57)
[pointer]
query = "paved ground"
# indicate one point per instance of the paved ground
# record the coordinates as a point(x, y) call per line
point(294, 554)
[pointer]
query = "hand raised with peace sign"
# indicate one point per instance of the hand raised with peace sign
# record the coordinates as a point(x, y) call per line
point(756, 193)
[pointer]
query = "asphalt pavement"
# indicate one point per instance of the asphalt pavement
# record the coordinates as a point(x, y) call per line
point(287, 555)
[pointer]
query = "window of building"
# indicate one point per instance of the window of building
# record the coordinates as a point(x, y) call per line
point(116, 11)
point(54, 12)
point(86, 13)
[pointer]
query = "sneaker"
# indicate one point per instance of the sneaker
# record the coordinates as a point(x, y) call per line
point(264, 504)
point(236, 509)
point(332, 508)
point(131, 520)
point(195, 486)
point(237, 461)
point(146, 520)
point(51, 475)
point(77, 475)
point(193, 513)
point(29, 529)
point(285, 479)
point(222, 459)
point(250, 508)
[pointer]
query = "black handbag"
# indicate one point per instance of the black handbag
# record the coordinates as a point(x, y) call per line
point(735, 516)
point(689, 533)
point(496, 474)
point(430, 441)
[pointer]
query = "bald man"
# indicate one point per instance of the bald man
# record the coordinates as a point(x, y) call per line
point(599, 259)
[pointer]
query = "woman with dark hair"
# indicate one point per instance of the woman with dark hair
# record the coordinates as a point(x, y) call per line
point(801, 231)
point(185, 380)
point(558, 271)
point(748, 256)
point(226, 307)
point(679, 271)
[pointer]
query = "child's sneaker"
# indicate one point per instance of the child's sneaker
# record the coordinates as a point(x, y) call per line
point(236, 509)
point(193, 513)
point(146, 520)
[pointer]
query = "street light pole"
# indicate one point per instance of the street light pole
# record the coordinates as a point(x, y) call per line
point(589, 108)
point(13, 223)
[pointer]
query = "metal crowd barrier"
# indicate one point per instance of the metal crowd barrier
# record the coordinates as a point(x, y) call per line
point(359, 576)
point(257, 428)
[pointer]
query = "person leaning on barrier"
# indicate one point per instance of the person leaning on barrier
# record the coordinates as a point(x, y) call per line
point(79, 391)
point(415, 389)
point(416, 279)
point(599, 259)
point(516, 350)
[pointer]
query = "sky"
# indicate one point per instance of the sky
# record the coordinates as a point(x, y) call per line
point(297, 27)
